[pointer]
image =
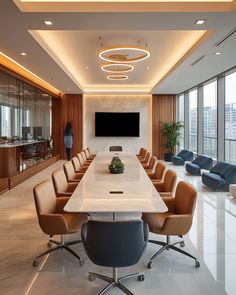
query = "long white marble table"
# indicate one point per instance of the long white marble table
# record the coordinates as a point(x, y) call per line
point(93, 194)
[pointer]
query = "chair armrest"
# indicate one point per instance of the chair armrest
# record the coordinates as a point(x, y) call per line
point(84, 232)
point(177, 224)
point(64, 194)
point(170, 203)
point(72, 186)
point(53, 224)
point(61, 202)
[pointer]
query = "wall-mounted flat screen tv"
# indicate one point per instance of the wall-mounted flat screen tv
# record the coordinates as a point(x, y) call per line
point(117, 124)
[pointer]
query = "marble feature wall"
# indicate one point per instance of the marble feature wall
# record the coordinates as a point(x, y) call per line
point(117, 103)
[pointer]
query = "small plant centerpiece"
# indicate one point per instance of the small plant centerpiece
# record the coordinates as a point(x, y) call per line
point(116, 166)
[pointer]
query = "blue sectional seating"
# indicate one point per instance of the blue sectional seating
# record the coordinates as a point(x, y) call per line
point(201, 162)
point(183, 156)
point(220, 176)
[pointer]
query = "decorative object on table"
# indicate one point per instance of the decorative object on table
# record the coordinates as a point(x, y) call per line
point(171, 130)
point(232, 190)
point(116, 166)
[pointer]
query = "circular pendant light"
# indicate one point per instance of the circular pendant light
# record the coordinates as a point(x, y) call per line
point(124, 54)
point(118, 68)
point(117, 77)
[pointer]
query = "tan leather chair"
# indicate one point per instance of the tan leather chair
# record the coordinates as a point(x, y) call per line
point(157, 176)
point(61, 186)
point(166, 188)
point(176, 222)
point(76, 164)
point(91, 153)
point(82, 161)
point(144, 153)
point(85, 158)
point(88, 158)
point(152, 165)
point(141, 152)
point(54, 221)
point(70, 173)
point(146, 159)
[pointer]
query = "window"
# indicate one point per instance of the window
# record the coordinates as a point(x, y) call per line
point(180, 116)
point(230, 118)
point(210, 119)
point(193, 120)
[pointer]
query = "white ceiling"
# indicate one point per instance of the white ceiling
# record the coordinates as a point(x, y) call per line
point(79, 32)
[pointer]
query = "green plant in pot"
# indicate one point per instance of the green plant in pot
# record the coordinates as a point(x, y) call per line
point(116, 166)
point(171, 131)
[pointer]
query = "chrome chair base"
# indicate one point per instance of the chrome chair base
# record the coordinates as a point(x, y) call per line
point(167, 246)
point(115, 281)
point(59, 245)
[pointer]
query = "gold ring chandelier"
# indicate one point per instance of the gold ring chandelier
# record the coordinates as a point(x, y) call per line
point(117, 77)
point(117, 68)
point(120, 54)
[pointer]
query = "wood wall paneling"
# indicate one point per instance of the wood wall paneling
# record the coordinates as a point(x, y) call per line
point(163, 110)
point(56, 126)
point(72, 110)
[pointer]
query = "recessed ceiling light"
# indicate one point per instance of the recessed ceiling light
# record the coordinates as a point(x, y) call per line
point(200, 21)
point(217, 53)
point(23, 53)
point(148, 68)
point(87, 68)
point(48, 23)
point(67, 89)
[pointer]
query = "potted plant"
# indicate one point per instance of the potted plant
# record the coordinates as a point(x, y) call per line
point(171, 130)
point(116, 166)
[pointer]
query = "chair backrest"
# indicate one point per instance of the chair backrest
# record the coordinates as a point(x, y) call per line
point(87, 154)
point(159, 171)
point(76, 163)
point(69, 170)
point(114, 243)
point(59, 181)
point(141, 152)
point(169, 181)
point(147, 158)
point(116, 148)
point(81, 159)
point(45, 202)
point(204, 162)
point(90, 151)
point(185, 198)
point(153, 162)
point(83, 155)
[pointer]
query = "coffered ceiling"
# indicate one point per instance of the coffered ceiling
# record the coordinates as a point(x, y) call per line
point(65, 54)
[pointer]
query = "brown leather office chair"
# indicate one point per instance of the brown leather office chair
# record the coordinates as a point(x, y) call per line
point(61, 186)
point(70, 173)
point(76, 164)
point(87, 162)
point(143, 155)
point(84, 165)
point(166, 187)
point(88, 158)
point(141, 152)
point(146, 159)
point(176, 222)
point(54, 221)
point(157, 176)
point(152, 165)
point(91, 153)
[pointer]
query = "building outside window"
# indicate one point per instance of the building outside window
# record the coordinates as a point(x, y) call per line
point(230, 118)
point(193, 120)
point(210, 119)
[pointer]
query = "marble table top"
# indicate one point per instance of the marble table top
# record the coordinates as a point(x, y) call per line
point(93, 194)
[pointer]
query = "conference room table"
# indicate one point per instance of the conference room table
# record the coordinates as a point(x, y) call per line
point(102, 192)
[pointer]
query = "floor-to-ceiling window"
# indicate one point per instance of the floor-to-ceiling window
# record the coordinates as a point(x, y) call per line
point(210, 119)
point(193, 120)
point(180, 117)
point(230, 118)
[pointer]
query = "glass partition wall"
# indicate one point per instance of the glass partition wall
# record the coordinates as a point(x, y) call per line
point(206, 106)
point(25, 111)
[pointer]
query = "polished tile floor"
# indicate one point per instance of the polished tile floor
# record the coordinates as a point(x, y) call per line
point(212, 239)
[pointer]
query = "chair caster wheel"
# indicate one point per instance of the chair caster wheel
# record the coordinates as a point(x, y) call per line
point(91, 278)
point(81, 262)
point(35, 263)
point(182, 244)
point(197, 263)
point(149, 265)
point(49, 244)
point(141, 278)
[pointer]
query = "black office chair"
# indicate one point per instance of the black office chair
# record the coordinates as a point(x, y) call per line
point(115, 244)
point(114, 148)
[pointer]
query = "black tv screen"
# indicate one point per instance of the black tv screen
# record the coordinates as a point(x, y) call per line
point(117, 124)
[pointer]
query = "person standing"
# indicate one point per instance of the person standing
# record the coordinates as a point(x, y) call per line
point(68, 139)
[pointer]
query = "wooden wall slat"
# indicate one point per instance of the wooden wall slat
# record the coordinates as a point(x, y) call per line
point(163, 110)
point(72, 110)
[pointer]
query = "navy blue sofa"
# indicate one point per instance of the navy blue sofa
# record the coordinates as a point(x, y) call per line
point(220, 176)
point(201, 162)
point(183, 156)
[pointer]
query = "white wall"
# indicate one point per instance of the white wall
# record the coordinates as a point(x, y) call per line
point(117, 103)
